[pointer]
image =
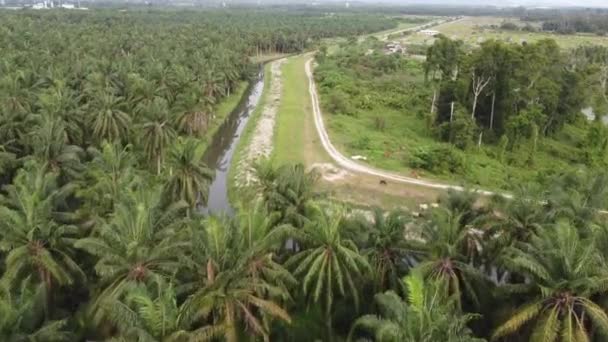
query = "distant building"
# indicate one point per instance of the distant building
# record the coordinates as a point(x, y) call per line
point(393, 47)
point(48, 4)
point(431, 33)
point(39, 6)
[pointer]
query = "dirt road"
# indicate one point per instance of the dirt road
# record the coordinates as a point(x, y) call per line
point(356, 167)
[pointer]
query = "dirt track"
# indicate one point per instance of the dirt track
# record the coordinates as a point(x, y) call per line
point(359, 168)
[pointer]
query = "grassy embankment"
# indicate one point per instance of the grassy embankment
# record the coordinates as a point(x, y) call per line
point(231, 102)
point(294, 131)
point(297, 141)
point(224, 109)
point(241, 148)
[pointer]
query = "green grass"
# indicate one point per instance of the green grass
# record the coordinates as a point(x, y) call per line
point(289, 127)
point(223, 110)
point(474, 30)
point(405, 131)
point(245, 139)
point(392, 148)
point(264, 58)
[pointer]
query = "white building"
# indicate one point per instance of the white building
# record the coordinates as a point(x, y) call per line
point(431, 33)
point(393, 47)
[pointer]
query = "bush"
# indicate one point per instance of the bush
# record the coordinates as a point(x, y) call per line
point(339, 103)
point(441, 159)
point(509, 26)
point(461, 132)
point(379, 123)
point(362, 143)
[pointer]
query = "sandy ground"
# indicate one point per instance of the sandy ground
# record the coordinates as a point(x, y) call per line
point(261, 143)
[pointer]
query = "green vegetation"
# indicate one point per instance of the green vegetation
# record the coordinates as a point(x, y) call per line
point(495, 116)
point(241, 148)
point(225, 108)
point(475, 30)
point(291, 113)
point(103, 118)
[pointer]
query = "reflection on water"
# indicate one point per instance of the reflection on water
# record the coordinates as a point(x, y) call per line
point(219, 154)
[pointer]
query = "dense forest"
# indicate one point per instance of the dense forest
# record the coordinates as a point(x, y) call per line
point(567, 22)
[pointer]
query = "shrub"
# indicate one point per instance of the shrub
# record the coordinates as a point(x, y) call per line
point(339, 103)
point(461, 132)
point(379, 123)
point(362, 143)
point(441, 159)
point(509, 26)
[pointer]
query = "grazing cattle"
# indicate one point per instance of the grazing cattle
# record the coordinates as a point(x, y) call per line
point(382, 182)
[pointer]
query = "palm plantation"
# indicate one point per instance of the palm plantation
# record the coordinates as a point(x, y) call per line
point(105, 120)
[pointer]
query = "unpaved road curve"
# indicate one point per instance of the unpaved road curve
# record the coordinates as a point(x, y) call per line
point(385, 36)
point(352, 165)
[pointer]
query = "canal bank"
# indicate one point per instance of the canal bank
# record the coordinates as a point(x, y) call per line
point(220, 151)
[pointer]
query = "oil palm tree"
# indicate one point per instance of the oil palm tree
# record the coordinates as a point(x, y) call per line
point(17, 95)
point(329, 265)
point(110, 122)
point(578, 197)
point(150, 315)
point(387, 249)
point(287, 189)
point(193, 117)
point(36, 243)
point(425, 316)
point(189, 177)
point(240, 284)
point(14, 129)
point(22, 316)
point(564, 271)
point(139, 243)
point(49, 145)
point(60, 101)
point(8, 161)
point(515, 219)
point(111, 171)
point(446, 250)
point(157, 133)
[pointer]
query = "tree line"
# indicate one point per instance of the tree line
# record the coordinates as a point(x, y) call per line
point(573, 21)
point(516, 91)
